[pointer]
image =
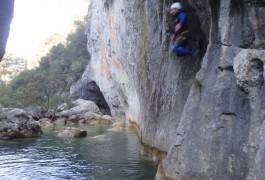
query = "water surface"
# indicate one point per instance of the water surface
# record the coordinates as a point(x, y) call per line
point(102, 155)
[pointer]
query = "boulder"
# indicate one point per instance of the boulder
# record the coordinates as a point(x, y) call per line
point(46, 123)
point(72, 133)
point(82, 121)
point(90, 115)
point(17, 123)
point(107, 117)
point(37, 112)
point(92, 118)
point(60, 121)
point(81, 107)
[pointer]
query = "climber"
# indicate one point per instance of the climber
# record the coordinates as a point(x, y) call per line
point(181, 33)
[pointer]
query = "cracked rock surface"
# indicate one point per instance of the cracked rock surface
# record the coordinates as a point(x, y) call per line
point(211, 129)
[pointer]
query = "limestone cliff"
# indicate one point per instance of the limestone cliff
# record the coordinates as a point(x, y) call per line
point(212, 128)
point(6, 14)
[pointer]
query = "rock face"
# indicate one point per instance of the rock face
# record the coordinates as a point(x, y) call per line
point(213, 129)
point(16, 123)
point(89, 90)
point(6, 15)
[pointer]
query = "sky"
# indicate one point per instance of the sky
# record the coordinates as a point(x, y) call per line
point(36, 20)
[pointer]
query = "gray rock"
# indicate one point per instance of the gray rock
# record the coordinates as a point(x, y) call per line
point(72, 133)
point(260, 158)
point(45, 120)
point(98, 119)
point(37, 112)
point(82, 121)
point(17, 123)
point(107, 117)
point(80, 108)
point(73, 117)
point(46, 123)
point(60, 121)
point(249, 68)
point(90, 115)
point(210, 129)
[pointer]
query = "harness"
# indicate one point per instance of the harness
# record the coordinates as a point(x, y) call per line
point(184, 35)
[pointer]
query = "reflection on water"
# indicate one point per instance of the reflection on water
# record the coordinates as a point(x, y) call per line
point(102, 154)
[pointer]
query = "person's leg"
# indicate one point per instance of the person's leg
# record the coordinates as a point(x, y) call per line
point(180, 50)
point(183, 51)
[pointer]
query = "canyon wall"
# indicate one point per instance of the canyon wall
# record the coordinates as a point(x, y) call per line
point(206, 112)
point(132, 63)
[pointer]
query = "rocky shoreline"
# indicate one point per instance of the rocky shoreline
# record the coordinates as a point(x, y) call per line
point(17, 123)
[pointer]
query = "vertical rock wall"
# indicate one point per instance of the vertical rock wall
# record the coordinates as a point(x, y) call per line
point(6, 15)
point(220, 134)
point(212, 129)
point(132, 63)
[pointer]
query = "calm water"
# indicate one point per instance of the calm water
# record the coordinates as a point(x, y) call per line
point(115, 156)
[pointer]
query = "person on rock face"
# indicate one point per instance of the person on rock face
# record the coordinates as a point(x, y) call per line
point(181, 33)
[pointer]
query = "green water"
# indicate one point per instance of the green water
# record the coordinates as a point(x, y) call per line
point(115, 155)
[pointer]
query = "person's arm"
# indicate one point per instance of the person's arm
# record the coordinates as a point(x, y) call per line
point(182, 18)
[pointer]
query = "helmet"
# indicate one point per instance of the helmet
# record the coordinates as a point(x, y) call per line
point(176, 5)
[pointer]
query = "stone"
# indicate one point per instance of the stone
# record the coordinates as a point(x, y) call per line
point(249, 68)
point(82, 121)
point(92, 118)
point(72, 118)
point(72, 133)
point(89, 115)
point(46, 123)
point(17, 123)
point(60, 121)
point(100, 121)
point(80, 108)
point(107, 117)
point(37, 112)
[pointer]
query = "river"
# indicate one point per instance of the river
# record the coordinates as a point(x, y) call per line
point(103, 154)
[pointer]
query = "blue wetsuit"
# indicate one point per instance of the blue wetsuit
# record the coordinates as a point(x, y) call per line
point(182, 35)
